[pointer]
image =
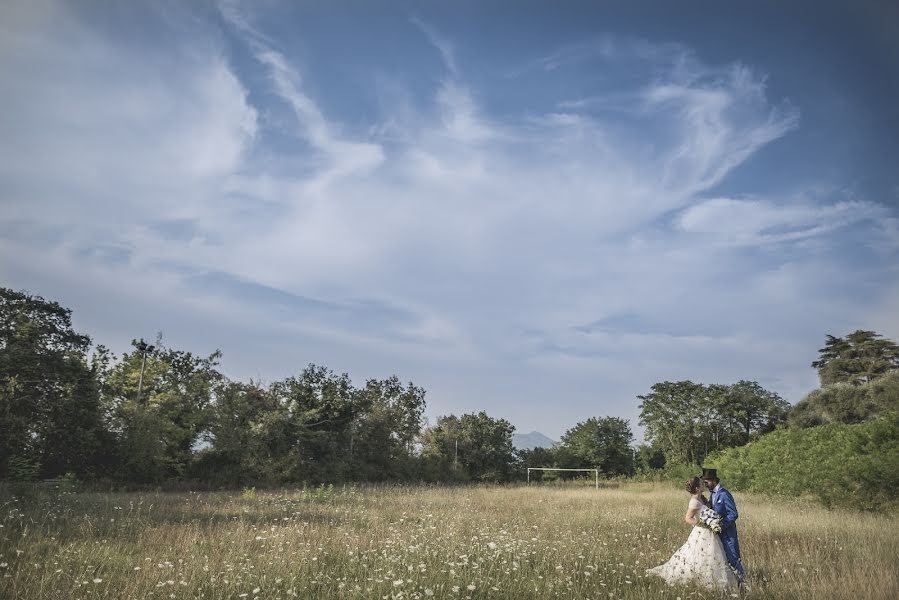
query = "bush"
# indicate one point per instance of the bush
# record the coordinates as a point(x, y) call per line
point(675, 473)
point(848, 403)
point(839, 464)
point(22, 469)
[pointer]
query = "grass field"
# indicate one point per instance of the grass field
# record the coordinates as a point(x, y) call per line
point(419, 542)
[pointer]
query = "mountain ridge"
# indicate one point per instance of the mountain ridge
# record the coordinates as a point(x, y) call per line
point(529, 441)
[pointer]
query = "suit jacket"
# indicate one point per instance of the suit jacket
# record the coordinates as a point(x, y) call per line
point(725, 506)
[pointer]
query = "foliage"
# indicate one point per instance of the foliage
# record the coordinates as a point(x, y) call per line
point(841, 465)
point(603, 443)
point(160, 415)
point(848, 403)
point(687, 420)
point(860, 357)
point(158, 430)
point(315, 427)
point(387, 422)
point(648, 458)
point(474, 446)
point(51, 414)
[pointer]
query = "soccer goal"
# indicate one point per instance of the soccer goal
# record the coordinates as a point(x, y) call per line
point(594, 471)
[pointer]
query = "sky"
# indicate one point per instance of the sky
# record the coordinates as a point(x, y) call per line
point(533, 209)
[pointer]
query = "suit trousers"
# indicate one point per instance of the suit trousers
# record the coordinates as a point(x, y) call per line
point(732, 550)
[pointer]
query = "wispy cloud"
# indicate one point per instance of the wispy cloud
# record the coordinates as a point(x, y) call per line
point(473, 242)
point(760, 221)
point(440, 43)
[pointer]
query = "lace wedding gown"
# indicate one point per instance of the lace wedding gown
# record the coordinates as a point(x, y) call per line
point(701, 560)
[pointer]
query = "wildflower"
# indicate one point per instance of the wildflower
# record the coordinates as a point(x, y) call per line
point(471, 587)
point(429, 592)
point(98, 580)
point(398, 582)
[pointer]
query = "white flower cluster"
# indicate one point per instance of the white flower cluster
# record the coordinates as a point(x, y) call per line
point(709, 519)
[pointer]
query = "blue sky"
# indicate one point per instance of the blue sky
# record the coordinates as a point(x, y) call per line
point(530, 209)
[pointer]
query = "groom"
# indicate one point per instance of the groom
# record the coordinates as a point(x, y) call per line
point(723, 503)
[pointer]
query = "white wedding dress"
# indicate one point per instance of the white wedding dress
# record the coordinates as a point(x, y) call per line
point(701, 560)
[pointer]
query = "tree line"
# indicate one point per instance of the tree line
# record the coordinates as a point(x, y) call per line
point(159, 415)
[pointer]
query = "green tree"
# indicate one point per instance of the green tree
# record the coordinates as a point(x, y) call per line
point(861, 357)
point(648, 458)
point(687, 420)
point(484, 452)
point(158, 431)
point(239, 444)
point(320, 409)
point(51, 414)
point(387, 421)
point(603, 443)
point(753, 409)
point(672, 415)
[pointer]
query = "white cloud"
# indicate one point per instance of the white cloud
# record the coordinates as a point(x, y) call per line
point(440, 234)
point(760, 221)
point(103, 130)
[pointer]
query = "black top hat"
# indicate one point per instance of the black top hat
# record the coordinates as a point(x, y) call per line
point(709, 473)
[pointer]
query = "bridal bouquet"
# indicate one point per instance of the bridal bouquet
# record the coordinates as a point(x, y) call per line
point(709, 519)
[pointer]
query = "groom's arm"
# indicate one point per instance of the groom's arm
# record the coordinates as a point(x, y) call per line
point(730, 514)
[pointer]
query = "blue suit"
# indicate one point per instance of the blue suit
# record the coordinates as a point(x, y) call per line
point(723, 504)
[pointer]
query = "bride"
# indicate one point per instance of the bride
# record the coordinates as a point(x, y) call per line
point(701, 559)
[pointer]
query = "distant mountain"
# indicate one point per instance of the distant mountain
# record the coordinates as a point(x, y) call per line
point(529, 441)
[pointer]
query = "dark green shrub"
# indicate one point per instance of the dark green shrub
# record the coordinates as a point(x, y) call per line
point(839, 464)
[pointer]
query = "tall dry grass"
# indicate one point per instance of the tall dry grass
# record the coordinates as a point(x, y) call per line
point(420, 542)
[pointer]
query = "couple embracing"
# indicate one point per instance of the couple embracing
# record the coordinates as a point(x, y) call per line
point(711, 555)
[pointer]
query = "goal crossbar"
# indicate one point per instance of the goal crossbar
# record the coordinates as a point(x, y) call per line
point(594, 471)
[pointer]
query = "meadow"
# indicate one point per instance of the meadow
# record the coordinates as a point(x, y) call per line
point(420, 542)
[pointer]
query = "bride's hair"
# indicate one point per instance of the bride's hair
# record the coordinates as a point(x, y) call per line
point(694, 484)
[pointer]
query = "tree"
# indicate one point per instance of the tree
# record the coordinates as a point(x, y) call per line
point(319, 413)
point(848, 403)
point(485, 450)
point(859, 358)
point(603, 443)
point(239, 437)
point(687, 420)
point(754, 409)
point(648, 458)
point(159, 430)
point(671, 414)
point(387, 421)
point(51, 416)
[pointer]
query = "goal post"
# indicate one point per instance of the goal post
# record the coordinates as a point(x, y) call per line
point(594, 471)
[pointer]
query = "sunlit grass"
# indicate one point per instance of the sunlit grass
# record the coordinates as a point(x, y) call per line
point(420, 542)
